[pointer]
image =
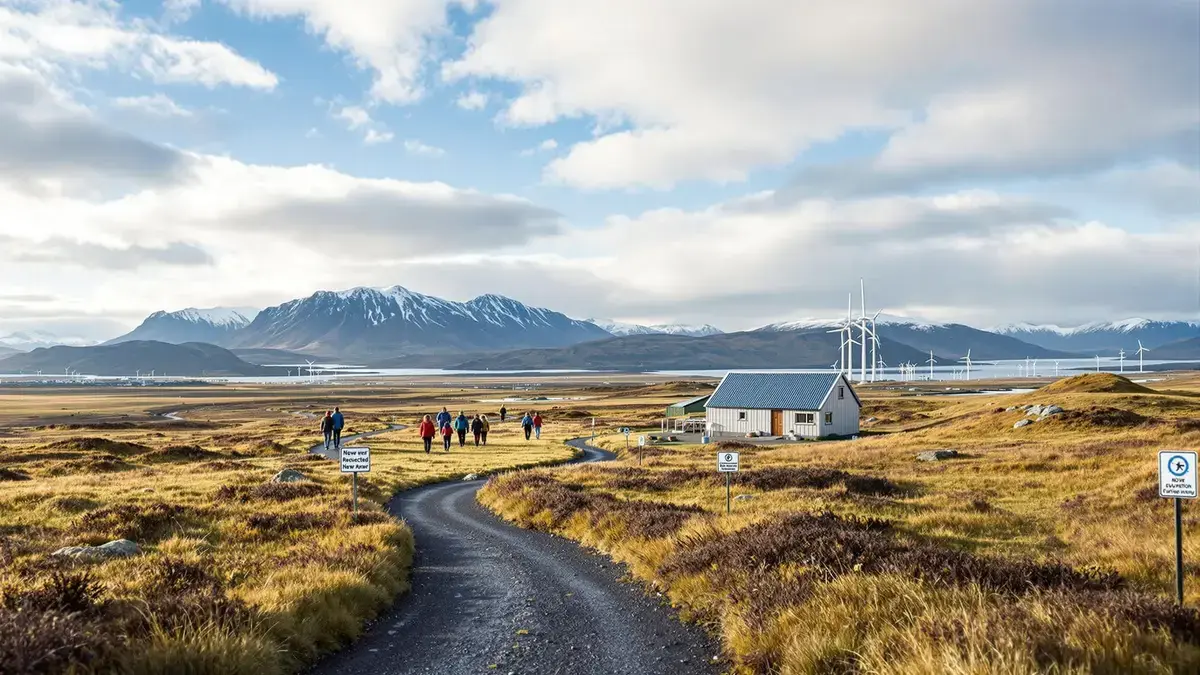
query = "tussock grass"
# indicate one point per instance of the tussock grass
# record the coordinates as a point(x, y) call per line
point(1041, 549)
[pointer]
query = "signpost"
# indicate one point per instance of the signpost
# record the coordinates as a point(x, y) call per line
point(355, 461)
point(1177, 480)
point(727, 463)
point(641, 444)
point(625, 430)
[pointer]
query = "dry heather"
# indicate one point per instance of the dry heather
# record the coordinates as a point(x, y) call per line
point(237, 574)
point(1039, 549)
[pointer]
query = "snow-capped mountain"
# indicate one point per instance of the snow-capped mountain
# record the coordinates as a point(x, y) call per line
point(26, 341)
point(369, 323)
point(621, 329)
point(1103, 337)
point(215, 325)
point(952, 340)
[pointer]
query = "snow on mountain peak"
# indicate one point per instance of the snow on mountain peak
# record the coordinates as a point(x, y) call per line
point(881, 320)
point(622, 329)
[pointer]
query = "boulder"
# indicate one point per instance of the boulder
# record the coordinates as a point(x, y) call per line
point(936, 455)
point(1052, 410)
point(288, 476)
point(871, 419)
point(1022, 423)
point(1035, 410)
point(1010, 408)
point(121, 548)
point(470, 477)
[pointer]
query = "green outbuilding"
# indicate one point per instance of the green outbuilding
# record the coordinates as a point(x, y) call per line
point(692, 406)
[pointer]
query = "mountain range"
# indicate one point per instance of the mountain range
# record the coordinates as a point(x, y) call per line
point(1104, 338)
point(25, 341)
point(126, 358)
point(620, 329)
point(214, 326)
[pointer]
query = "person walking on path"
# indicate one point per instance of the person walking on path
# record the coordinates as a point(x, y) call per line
point(339, 423)
point(427, 430)
point(443, 418)
point(477, 428)
point(527, 425)
point(327, 427)
point(447, 434)
point(503, 413)
point(486, 428)
point(537, 425)
point(461, 425)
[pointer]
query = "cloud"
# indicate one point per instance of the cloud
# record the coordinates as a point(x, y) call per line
point(157, 105)
point(179, 11)
point(416, 147)
point(547, 145)
point(357, 118)
point(389, 37)
point(374, 137)
point(1168, 188)
point(104, 256)
point(90, 34)
point(354, 116)
point(312, 133)
point(716, 91)
point(472, 100)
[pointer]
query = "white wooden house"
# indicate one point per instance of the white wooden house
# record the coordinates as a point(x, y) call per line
point(809, 405)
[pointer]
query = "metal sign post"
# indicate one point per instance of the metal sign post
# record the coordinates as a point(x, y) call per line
point(625, 430)
point(727, 463)
point(1177, 480)
point(355, 461)
point(641, 446)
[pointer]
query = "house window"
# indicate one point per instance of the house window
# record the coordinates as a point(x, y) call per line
point(828, 418)
point(741, 415)
point(841, 392)
point(804, 418)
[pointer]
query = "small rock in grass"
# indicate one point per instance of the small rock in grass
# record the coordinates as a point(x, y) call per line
point(936, 455)
point(1022, 423)
point(470, 477)
point(288, 476)
point(121, 548)
point(1051, 410)
point(743, 498)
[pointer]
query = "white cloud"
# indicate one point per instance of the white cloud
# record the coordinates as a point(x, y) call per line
point(354, 116)
point(357, 118)
point(547, 145)
point(312, 133)
point(472, 100)
point(718, 89)
point(50, 34)
point(158, 105)
point(415, 147)
point(374, 137)
point(179, 11)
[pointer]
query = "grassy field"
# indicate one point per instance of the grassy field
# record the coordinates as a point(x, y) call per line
point(1038, 549)
point(236, 574)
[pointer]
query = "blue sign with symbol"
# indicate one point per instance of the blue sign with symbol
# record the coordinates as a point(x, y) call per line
point(1177, 465)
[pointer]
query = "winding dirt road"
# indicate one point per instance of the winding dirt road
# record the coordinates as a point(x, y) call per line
point(489, 597)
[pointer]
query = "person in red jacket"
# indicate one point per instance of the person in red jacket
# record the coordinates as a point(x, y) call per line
point(447, 433)
point(537, 425)
point(427, 431)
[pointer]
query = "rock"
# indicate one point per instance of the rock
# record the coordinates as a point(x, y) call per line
point(1022, 423)
point(1035, 410)
point(288, 476)
point(1052, 410)
point(936, 455)
point(871, 419)
point(121, 548)
point(743, 498)
point(470, 477)
point(1010, 408)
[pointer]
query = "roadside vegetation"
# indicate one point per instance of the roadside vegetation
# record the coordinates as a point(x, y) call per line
point(1043, 548)
point(234, 573)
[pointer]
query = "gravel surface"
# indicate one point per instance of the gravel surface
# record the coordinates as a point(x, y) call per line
point(333, 453)
point(489, 597)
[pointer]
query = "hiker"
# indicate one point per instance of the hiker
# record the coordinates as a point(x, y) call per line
point(503, 413)
point(537, 425)
point(527, 425)
point(461, 425)
point(486, 428)
point(477, 428)
point(339, 423)
point(327, 427)
point(443, 418)
point(426, 429)
point(447, 433)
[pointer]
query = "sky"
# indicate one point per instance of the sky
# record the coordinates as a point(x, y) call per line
point(733, 163)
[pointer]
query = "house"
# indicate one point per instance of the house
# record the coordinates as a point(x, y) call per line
point(692, 406)
point(809, 405)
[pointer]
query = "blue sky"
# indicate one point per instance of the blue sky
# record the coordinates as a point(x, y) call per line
point(728, 163)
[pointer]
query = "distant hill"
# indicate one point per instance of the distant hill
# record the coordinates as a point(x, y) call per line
point(1095, 383)
point(951, 339)
point(1105, 338)
point(213, 326)
point(755, 349)
point(25, 341)
point(7, 351)
point(186, 360)
point(1175, 351)
point(279, 357)
point(620, 329)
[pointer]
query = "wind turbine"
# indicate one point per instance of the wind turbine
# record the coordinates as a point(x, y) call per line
point(931, 361)
point(841, 362)
point(1056, 369)
point(1097, 363)
point(1027, 371)
point(1034, 368)
point(874, 346)
point(967, 359)
point(1121, 359)
point(310, 369)
point(1141, 350)
point(862, 324)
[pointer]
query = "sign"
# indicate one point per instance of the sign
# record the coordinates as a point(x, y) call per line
point(1177, 474)
point(727, 462)
point(625, 430)
point(356, 460)
point(641, 441)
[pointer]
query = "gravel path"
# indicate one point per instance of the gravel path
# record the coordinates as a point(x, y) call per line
point(332, 453)
point(489, 597)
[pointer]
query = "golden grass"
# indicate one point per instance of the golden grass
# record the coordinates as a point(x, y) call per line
point(1079, 488)
point(236, 575)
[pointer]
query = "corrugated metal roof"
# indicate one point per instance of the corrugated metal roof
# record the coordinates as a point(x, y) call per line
point(690, 401)
point(773, 391)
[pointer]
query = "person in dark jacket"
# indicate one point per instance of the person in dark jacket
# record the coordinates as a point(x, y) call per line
point(477, 428)
point(327, 427)
point(503, 413)
point(486, 428)
point(443, 418)
point(527, 425)
point(427, 431)
point(462, 425)
point(339, 423)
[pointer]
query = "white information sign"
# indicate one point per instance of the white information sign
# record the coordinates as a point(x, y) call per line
point(356, 460)
point(1177, 474)
point(641, 441)
point(727, 462)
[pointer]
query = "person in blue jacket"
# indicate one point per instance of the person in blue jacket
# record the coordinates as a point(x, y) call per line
point(461, 425)
point(339, 423)
point(527, 424)
point(443, 418)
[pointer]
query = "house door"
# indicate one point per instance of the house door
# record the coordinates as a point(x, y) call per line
point(776, 422)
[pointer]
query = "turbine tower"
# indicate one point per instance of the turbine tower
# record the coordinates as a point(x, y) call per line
point(862, 322)
point(874, 346)
point(967, 359)
point(931, 361)
point(1121, 359)
point(1141, 350)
